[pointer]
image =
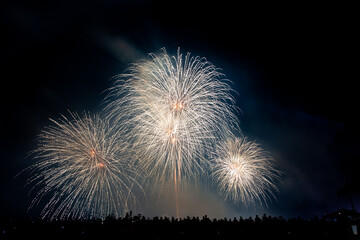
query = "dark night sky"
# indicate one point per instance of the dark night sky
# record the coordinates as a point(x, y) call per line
point(292, 66)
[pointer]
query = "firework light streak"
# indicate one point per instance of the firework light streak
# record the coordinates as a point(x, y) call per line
point(244, 172)
point(172, 110)
point(82, 170)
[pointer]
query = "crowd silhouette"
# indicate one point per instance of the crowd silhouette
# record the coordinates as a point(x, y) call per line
point(140, 227)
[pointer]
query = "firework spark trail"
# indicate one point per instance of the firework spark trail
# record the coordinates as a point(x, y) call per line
point(82, 170)
point(172, 110)
point(244, 172)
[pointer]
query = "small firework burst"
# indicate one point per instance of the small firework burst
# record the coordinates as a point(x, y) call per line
point(244, 172)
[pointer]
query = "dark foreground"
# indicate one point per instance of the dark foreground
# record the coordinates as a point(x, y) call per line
point(139, 227)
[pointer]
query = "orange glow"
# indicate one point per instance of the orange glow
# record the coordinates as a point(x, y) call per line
point(178, 106)
point(92, 152)
point(101, 165)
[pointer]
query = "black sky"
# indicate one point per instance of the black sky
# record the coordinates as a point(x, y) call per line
point(292, 66)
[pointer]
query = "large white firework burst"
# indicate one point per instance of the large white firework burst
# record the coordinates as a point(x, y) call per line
point(172, 109)
point(81, 170)
point(244, 172)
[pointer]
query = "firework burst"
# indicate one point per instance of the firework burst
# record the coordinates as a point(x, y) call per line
point(244, 172)
point(82, 170)
point(172, 109)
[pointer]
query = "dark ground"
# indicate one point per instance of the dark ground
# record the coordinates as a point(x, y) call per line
point(139, 227)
